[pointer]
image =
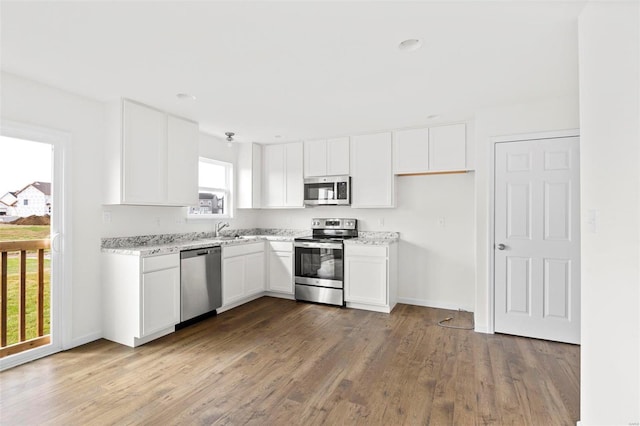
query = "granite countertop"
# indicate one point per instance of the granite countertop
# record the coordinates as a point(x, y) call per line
point(374, 238)
point(151, 245)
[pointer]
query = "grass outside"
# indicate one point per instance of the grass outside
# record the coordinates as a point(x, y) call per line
point(21, 233)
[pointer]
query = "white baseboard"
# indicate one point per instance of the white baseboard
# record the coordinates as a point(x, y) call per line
point(383, 309)
point(83, 340)
point(239, 302)
point(481, 329)
point(433, 304)
point(280, 295)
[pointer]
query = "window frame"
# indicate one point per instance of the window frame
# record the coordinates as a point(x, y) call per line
point(228, 192)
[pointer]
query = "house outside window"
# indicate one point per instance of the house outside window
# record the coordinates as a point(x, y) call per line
point(214, 189)
point(25, 202)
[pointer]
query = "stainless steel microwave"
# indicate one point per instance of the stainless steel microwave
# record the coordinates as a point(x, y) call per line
point(327, 190)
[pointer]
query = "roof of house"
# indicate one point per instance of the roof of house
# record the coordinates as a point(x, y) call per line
point(44, 187)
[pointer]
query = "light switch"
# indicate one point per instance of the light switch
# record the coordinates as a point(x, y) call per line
point(441, 222)
point(592, 221)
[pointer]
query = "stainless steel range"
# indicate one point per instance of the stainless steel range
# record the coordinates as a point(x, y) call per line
point(319, 267)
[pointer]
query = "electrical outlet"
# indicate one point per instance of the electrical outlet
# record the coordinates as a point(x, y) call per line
point(157, 220)
point(592, 220)
point(106, 217)
point(381, 221)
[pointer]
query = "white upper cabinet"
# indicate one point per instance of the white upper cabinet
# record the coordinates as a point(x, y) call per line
point(282, 171)
point(448, 148)
point(182, 161)
point(326, 157)
point(372, 171)
point(151, 158)
point(430, 150)
point(411, 151)
point(249, 170)
point(315, 158)
point(144, 154)
point(338, 156)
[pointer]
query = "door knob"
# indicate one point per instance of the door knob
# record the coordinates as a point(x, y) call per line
point(501, 246)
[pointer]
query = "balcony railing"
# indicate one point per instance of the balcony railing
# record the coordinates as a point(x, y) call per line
point(18, 250)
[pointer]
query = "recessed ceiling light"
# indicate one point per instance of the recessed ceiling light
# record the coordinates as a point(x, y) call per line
point(185, 96)
point(277, 136)
point(410, 45)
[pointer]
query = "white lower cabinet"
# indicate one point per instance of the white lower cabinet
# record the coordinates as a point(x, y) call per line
point(280, 267)
point(160, 300)
point(242, 272)
point(370, 276)
point(141, 297)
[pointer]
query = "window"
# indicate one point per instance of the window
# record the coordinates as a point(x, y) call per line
point(25, 202)
point(214, 182)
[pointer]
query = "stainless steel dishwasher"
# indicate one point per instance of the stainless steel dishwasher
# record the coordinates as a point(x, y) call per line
point(200, 282)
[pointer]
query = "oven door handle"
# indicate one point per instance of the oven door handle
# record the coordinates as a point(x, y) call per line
point(318, 245)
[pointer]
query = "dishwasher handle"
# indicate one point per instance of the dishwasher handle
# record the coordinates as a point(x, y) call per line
point(186, 254)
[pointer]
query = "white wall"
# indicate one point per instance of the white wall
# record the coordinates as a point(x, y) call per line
point(541, 116)
point(29, 102)
point(609, 40)
point(436, 264)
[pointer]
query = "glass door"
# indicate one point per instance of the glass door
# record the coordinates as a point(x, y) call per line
point(322, 266)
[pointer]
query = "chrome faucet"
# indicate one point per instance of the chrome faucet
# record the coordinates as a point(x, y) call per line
point(219, 226)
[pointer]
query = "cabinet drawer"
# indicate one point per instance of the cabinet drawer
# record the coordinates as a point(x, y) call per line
point(242, 249)
point(364, 250)
point(156, 263)
point(281, 246)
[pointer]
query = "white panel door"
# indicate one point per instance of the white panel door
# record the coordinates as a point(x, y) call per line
point(537, 239)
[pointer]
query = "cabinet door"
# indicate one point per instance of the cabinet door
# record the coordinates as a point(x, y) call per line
point(274, 176)
point(233, 277)
point(338, 156)
point(248, 173)
point(371, 171)
point(183, 145)
point(254, 273)
point(315, 158)
point(411, 151)
point(281, 271)
point(144, 140)
point(447, 148)
point(365, 280)
point(160, 307)
point(294, 179)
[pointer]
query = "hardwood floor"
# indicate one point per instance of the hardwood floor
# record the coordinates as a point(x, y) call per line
point(274, 361)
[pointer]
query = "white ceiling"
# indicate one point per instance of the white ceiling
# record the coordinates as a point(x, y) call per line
point(301, 70)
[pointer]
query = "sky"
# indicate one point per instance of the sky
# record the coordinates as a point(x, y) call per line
point(23, 162)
